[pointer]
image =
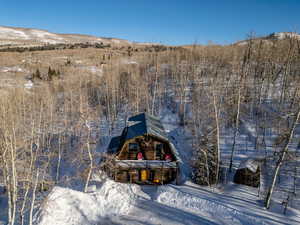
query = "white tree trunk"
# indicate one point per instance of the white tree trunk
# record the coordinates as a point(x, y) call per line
point(91, 164)
point(280, 161)
point(218, 136)
point(33, 197)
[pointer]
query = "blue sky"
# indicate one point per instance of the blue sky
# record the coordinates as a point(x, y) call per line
point(163, 21)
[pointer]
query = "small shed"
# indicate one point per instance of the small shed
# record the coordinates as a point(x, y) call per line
point(248, 173)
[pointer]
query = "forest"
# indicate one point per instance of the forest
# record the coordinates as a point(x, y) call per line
point(49, 134)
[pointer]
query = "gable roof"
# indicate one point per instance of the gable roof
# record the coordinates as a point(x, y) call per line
point(139, 125)
point(142, 124)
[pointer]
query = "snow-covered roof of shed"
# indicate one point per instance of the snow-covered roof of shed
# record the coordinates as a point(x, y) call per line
point(250, 164)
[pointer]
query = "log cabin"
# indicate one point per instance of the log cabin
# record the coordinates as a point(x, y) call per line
point(142, 154)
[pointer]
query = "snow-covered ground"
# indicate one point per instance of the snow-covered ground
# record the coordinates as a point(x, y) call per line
point(109, 202)
point(3, 206)
point(10, 33)
point(116, 203)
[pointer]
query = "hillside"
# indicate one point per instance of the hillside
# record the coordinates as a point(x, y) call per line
point(277, 36)
point(13, 36)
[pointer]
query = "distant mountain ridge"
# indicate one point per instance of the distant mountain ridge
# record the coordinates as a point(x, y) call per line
point(276, 36)
point(283, 35)
point(15, 36)
point(19, 37)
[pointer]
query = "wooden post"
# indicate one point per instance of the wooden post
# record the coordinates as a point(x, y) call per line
point(162, 173)
point(130, 175)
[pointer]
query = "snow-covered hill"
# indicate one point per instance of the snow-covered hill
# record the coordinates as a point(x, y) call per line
point(15, 36)
point(284, 35)
point(273, 36)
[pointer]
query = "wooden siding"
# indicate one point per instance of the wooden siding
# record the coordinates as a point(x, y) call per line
point(154, 176)
point(148, 146)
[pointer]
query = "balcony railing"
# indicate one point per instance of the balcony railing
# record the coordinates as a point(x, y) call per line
point(146, 164)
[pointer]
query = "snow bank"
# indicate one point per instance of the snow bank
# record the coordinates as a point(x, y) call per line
point(66, 206)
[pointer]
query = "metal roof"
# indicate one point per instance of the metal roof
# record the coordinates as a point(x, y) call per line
point(139, 125)
point(114, 144)
point(142, 124)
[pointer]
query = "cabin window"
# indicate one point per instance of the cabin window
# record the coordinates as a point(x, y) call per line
point(133, 147)
point(158, 151)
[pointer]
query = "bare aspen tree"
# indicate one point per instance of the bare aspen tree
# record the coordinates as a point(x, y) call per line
point(58, 160)
point(154, 89)
point(216, 111)
point(240, 87)
point(33, 196)
point(236, 128)
point(28, 178)
point(14, 175)
point(280, 160)
point(91, 162)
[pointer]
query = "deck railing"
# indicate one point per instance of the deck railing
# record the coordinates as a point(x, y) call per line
point(145, 164)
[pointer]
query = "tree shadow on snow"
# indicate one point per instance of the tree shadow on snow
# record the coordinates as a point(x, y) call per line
point(239, 205)
point(171, 214)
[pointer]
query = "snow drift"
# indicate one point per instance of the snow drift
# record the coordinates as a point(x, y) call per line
point(66, 206)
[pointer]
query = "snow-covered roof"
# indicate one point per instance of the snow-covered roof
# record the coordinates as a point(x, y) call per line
point(142, 124)
point(139, 125)
point(250, 164)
